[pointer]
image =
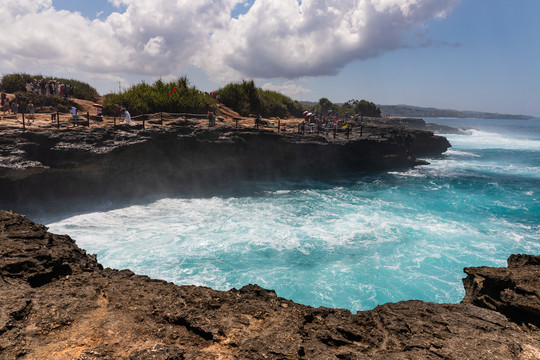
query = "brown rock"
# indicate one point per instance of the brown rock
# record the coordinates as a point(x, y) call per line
point(513, 291)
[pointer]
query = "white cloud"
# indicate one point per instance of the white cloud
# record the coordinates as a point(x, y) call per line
point(273, 39)
point(289, 88)
point(291, 39)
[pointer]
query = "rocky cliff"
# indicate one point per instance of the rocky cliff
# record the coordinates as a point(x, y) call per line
point(44, 164)
point(57, 302)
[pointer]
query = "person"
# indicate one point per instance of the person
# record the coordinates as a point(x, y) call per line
point(31, 111)
point(52, 109)
point(211, 119)
point(100, 113)
point(14, 107)
point(73, 111)
point(127, 116)
point(329, 126)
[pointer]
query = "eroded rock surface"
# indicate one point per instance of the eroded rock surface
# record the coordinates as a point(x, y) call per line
point(57, 302)
point(513, 291)
point(48, 164)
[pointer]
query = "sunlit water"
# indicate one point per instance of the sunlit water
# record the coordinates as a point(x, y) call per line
point(353, 243)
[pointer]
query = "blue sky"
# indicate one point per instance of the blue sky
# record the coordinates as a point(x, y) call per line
point(479, 55)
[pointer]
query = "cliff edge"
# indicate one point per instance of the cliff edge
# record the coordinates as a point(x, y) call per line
point(44, 164)
point(57, 302)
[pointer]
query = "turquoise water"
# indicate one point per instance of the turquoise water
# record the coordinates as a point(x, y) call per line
point(352, 243)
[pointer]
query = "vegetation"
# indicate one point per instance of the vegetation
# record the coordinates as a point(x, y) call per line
point(173, 97)
point(246, 99)
point(362, 107)
point(24, 98)
point(180, 96)
point(13, 83)
point(351, 107)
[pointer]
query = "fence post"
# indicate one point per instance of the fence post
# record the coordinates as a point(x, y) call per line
point(279, 125)
point(161, 114)
point(361, 130)
point(114, 122)
point(23, 123)
point(236, 122)
point(57, 120)
point(348, 130)
point(88, 119)
point(335, 131)
point(143, 119)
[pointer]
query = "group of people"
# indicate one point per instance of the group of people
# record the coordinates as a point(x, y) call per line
point(120, 111)
point(318, 122)
point(7, 105)
point(50, 87)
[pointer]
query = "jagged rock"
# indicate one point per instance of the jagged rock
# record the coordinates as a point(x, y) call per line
point(97, 162)
point(513, 291)
point(96, 313)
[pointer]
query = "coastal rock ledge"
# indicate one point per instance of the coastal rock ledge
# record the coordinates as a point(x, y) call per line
point(46, 164)
point(57, 302)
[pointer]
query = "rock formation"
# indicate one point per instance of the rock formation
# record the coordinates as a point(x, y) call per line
point(45, 164)
point(57, 302)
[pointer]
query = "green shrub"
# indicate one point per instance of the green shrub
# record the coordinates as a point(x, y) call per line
point(246, 99)
point(13, 83)
point(364, 107)
point(159, 97)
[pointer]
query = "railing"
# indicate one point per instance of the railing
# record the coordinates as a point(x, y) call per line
point(67, 120)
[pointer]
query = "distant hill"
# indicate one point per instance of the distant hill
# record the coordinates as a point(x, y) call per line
point(416, 111)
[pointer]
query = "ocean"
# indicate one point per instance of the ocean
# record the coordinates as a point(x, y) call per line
point(352, 242)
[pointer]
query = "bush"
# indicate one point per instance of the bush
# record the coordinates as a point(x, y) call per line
point(364, 107)
point(246, 99)
point(160, 97)
point(13, 83)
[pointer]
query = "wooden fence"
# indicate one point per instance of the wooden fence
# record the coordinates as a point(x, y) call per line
point(58, 120)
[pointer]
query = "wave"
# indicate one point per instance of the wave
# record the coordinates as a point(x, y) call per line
point(479, 139)
point(452, 152)
point(341, 246)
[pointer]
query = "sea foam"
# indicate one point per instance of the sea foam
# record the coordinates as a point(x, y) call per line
point(354, 242)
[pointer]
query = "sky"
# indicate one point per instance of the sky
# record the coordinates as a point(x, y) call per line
point(480, 55)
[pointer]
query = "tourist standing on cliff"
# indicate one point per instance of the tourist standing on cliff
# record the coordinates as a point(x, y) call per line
point(52, 109)
point(127, 116)
point(4, 103)
point(31, 111)
point(99, 113)
point(211, 119)
point(14, 107)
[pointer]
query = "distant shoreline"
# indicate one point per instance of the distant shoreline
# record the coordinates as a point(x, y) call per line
point(415, 111)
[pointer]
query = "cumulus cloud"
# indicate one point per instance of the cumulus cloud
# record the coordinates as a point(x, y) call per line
point(291, 39)
point(274, 39)
point(289, 88)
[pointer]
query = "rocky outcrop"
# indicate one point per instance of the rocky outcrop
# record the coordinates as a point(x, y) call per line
point(419, 124)
point(513, 291)
point(45, 164)
point(57, 302)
